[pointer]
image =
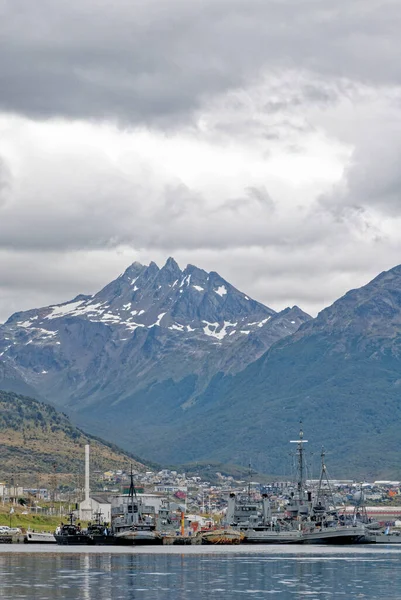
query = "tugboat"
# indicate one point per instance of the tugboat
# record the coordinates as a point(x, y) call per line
point(71, 534)
point(133, 526)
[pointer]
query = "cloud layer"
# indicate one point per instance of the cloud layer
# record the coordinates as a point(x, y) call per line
point(256, 138)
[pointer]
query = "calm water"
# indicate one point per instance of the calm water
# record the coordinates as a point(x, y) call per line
point(201, 573)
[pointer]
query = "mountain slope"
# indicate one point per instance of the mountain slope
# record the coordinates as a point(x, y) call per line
point(340, 372)
point(35, 438)
point(146, 345)
point(181, 374)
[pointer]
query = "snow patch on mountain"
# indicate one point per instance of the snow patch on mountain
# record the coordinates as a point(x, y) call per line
point(221, 290)
point(63, 309)
point(159, 318)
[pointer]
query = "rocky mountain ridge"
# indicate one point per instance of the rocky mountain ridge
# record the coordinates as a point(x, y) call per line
point(148, 326)
point(180, 374)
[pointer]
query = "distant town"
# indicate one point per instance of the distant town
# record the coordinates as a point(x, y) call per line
point(194, 494)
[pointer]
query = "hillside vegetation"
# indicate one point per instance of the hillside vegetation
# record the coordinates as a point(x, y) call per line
point(36, 438)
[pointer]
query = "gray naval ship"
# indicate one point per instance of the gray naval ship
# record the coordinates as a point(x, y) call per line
point(132, 523)
point(258, 525)
point(307, 519)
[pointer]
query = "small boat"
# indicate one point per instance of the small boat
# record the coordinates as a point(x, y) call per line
point(99, 533)
point(335, 534)
point(39, 537)
point(383, 537)
point(70, 534)
point(221, 535)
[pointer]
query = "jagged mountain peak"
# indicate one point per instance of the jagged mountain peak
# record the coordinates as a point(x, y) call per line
point(133, 270)
point(135, 266)
point(153, 267)
point(190, 301)
point(194, 270)
point(171, 265)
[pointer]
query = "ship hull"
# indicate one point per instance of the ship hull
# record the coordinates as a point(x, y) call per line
point(102, 540)
point(221, 536)
point(272, 537)
point(72, 540)
point(335, 535)
point(138, 538)
point(382, 538)
point(38, 537)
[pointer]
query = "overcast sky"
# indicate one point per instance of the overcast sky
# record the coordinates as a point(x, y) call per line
point(257, 138)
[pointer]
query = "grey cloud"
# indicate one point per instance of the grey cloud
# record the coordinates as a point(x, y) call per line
point(372, 182)
point(156, 62)
point(160, 63)
point(31, 279)
point(5, 182)
point(124, 213)
point(252, 195)
point(262, 196)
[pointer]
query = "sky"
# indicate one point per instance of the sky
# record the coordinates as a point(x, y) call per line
point(260, 139)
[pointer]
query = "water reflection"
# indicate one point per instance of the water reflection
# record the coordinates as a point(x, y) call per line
point(172, 576)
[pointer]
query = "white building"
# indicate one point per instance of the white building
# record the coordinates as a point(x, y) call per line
point(170, 488)
point(89, 509)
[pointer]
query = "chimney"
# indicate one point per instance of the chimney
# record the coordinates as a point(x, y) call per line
point(87, 490)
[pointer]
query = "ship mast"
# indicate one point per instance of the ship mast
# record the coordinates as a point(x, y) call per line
point(325, 478)
point(132, 494)
point(249, 480)
point(132, 490)
point(301, 464)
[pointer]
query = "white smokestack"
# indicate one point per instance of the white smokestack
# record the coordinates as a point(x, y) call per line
point(87, 490)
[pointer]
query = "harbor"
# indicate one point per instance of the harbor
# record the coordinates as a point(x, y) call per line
point(308, 515)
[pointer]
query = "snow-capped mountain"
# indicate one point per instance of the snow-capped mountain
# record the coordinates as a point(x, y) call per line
point(191, 301)
point(160, 331)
